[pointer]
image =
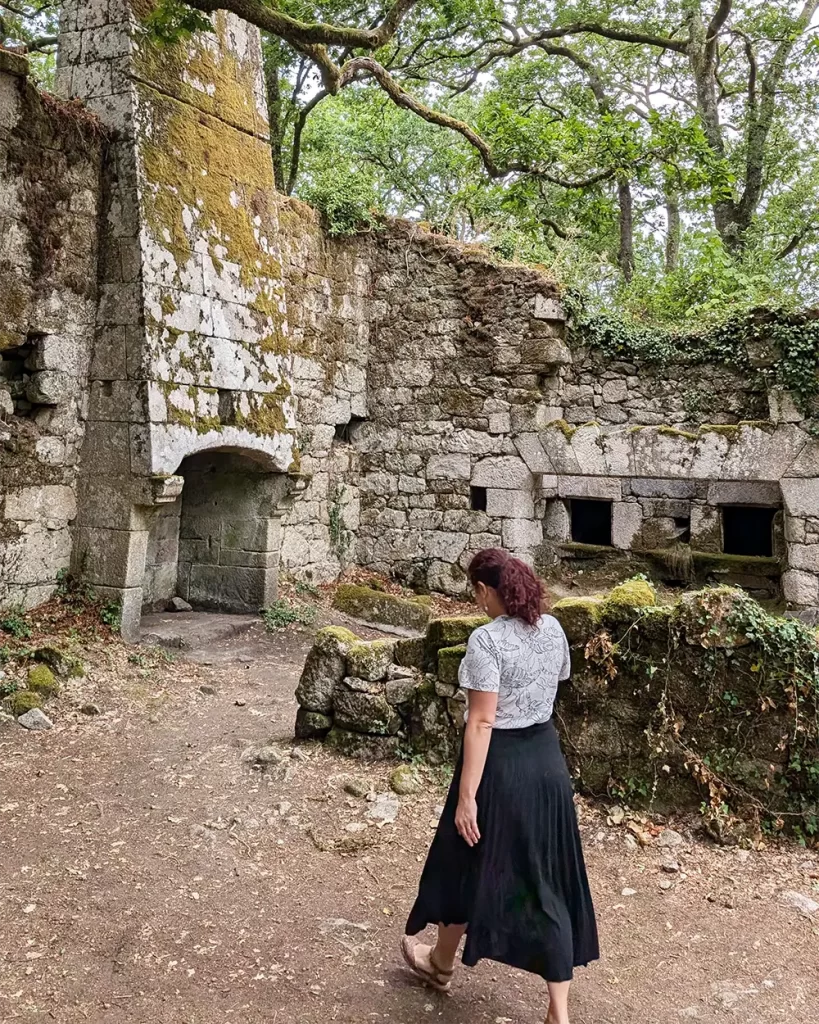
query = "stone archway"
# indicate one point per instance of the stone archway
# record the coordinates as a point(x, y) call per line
point(217, 545)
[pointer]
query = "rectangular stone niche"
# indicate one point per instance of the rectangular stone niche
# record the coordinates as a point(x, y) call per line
point(591, 521)
point(748, 530)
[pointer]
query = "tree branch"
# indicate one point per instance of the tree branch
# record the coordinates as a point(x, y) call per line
point(305, 35)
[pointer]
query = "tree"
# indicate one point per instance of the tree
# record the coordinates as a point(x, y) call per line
point(31, 27)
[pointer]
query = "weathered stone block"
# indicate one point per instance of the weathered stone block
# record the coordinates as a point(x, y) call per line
point(363, 747)
point(601, 488)
point(310, 725)
point(548, 308)
point(378, 606)
point(39, 503)
point(800, 588)
point(364, 712)
point(449, 663)
point(505, 472)
point(449, 467)
point(801, 497)
point(370, 661)
point(626, 523)
point(521, 535)
point(756, 492)
point(324, 669)
point(510, 504)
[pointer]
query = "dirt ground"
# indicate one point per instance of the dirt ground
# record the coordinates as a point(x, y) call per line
point(150, 874)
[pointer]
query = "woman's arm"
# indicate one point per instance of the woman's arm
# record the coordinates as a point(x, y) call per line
point(483, 707)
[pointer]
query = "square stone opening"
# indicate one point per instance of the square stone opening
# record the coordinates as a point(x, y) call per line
point(478, 498)
point(591, 521)
point(748, 530)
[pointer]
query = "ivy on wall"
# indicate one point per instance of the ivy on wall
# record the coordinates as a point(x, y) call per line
point(777, 348)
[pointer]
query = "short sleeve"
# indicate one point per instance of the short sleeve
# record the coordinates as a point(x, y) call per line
point(480, 669)
point(566, 667)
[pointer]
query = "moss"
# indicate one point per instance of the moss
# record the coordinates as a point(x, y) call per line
point(334, 639)
point(626, 601)
point(41, 680)
point(749, 565)
point(566, 429)
point(365, 748)
point(449, 632)
point(23, 701)
point(675, 432)
point(376, 606)
point(579, 617)
point(58, 661)
point(449, 662)
point(730, 431)
point(370, 661)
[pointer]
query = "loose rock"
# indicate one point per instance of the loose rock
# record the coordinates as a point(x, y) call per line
point(668, 839)
point(176, 604)
point(405, 781)
point(670, 865)
point(35, 720)
point(804, 904)
point(209, 691)
point(384, 809)
point(358, 788)
point(90, 709)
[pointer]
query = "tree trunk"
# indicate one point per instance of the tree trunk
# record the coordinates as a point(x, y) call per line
point(274, 98)
point(673, 233)
point(625, 202)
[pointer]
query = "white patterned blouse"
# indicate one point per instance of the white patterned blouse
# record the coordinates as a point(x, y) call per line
point(523, 664)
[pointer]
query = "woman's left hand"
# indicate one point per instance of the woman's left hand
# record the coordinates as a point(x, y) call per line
point(466, 821)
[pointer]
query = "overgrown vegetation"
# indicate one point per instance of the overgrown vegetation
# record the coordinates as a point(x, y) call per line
point(731, 695)
point(282, 614)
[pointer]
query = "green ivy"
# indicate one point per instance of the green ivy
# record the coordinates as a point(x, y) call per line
point(792, 338)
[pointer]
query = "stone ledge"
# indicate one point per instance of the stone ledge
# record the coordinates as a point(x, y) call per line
point(13, 63)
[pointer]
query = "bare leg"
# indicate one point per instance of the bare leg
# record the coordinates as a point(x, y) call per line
point(446, 947)
point(558, 1002)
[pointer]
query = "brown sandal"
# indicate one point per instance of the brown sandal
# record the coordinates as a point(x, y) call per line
point(440, 980)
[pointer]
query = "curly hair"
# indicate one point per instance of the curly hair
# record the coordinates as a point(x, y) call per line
point(517, 586)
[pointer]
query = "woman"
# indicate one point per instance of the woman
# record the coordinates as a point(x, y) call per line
point(506, 865)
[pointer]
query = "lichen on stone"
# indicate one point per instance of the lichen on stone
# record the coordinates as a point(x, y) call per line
point(449, 662)
point(579, 617)
point(41, 680)
point(377, 606)
point(627, 599)
point(371, 660)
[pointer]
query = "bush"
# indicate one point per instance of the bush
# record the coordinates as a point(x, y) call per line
point(281, 615)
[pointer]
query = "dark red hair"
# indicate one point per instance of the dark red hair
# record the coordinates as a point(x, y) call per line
point(517, 586)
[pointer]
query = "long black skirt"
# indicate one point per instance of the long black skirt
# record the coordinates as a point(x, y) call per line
point(522, 891)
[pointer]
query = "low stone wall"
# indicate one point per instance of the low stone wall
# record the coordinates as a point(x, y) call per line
point(710, 702)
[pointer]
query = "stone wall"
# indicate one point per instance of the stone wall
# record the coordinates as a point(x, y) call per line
point(691, 705)
point(49, 172)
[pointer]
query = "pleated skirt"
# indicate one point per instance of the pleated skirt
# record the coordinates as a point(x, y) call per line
point(522, 892)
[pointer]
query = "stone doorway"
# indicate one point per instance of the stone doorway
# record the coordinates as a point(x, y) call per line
point(217, 545)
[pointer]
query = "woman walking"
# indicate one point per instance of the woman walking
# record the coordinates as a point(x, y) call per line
point(506, 865)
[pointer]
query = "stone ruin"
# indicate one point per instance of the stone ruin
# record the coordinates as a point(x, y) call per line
point(200, 389)
point(709, 703)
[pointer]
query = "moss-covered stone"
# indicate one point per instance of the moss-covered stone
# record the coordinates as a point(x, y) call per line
point(310, 725)
point(449, 632)
point(405, 780)
point(64, 664)
point(377, 606)
point(625, 602)
point(409, 653)
point(24, 700)
point(449, 662)
point(363, 747)
point(335, 638)
point(716, 563)
point(370, 660)
point(579, 617)
point(41, 680)
point(703, 618)
point(325, 667)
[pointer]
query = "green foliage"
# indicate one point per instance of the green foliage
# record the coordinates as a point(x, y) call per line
point(23, 701)
point(14, 623)
point(346, 202)
point(172, 20)
point(792, 338)
point(111, 615)
point(281, 615)
point(32, 26)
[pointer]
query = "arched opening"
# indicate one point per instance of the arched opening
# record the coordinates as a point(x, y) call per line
point(217, 545)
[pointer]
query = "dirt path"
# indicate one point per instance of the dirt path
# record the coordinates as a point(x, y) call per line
point(150, 875)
